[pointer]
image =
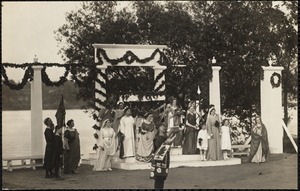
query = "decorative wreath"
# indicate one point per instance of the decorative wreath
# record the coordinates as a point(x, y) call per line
point(272, 80)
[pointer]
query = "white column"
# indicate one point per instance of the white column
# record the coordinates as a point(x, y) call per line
point(99, 87)
point(157, 71)
point(271, 109)
point(36, 102)
point(214, 89)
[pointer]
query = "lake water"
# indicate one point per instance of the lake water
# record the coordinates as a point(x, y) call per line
point(16, 130)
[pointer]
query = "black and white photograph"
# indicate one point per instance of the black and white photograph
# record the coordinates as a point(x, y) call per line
point(149, 95)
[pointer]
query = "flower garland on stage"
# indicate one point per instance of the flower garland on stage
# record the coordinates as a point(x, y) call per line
point(272, 80)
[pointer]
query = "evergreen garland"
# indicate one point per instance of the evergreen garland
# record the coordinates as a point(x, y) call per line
point(129, 57)
point(100, 92)
point(160, 86)
point(275, 85)
point(100, 82)
point(60, 82)
point(27, 77)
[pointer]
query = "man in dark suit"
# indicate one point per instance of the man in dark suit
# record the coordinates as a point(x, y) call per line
point(57, 152)
point(49, 136)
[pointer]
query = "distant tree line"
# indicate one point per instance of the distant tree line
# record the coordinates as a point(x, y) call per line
point(20, 99)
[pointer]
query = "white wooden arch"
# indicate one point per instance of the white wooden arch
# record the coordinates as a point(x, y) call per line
point(116, 51)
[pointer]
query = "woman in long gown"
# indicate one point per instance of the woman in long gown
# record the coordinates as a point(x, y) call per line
point(106, 147)
point(214, 145)
point(119, 112)
point(259, 148)
point(127, 124)
point(105, 113)
point(191, 132)
point(71, 156)
point(145, 144)
point(173, 115)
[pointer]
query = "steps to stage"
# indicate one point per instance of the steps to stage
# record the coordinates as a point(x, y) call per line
point(176, 160)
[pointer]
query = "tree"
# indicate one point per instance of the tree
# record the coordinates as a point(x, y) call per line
point(241, 35)
point(94, 22)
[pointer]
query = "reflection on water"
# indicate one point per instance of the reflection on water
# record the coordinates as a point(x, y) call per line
point(16, 131)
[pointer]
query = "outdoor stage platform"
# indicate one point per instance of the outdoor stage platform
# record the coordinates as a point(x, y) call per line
point(176, 160)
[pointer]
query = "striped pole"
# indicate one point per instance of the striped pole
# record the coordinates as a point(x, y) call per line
point(100, 90)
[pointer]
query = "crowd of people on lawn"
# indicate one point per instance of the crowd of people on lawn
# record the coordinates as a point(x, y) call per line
point(196, 132)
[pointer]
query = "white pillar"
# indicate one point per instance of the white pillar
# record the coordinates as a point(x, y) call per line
point(271, 109)
point(157, 71)
point(36, 102)
point(214, 89)
point(99, 87)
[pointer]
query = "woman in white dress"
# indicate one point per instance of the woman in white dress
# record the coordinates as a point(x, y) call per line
point(127, 124)
point(225, 139)
point(106, 147)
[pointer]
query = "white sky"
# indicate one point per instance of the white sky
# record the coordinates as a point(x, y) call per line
point(28, 30)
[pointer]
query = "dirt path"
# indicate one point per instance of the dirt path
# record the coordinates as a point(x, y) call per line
point(280, 172)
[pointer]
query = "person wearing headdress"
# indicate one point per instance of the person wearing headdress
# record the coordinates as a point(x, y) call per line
point(118, 114)
point(106, 147)
point(173, 119)
point(49, 136)
point(106, 112)
point(204, 117)
point(213, 129)
point(147, 134)
point(72, 154)
point(259, 148)
point(127, 124)
point(191, 132)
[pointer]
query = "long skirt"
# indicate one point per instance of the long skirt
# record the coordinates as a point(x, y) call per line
point(129, 147)
point(72, 157)
point(178, 138)
point(145, 147)
point(214, 146)
point(257, 158)
point(103, 162)
point(190, 143)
